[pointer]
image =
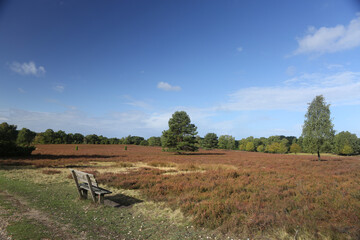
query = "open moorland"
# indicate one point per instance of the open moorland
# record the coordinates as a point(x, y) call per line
point(207, 194)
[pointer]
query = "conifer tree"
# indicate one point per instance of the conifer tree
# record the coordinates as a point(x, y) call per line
point(180, 137)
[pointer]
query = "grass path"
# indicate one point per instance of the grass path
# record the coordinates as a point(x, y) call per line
point(23, 222)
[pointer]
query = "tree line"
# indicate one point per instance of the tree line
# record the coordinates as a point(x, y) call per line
point(21, 142)
point(318, 136)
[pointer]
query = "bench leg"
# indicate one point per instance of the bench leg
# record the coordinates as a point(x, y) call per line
point(101, 198)
point(84, 194)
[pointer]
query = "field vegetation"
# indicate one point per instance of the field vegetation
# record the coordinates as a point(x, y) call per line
point(239, 193)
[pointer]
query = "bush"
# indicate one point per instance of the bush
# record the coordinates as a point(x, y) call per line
point(347, 150)
point(295, 148)
point(8, 146)
point(250, 147)
point(144, 143)
point(260, 148)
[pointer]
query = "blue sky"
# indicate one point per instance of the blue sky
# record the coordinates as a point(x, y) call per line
point(114, 68)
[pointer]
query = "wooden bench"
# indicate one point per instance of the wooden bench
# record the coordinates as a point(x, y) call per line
point(86, 182)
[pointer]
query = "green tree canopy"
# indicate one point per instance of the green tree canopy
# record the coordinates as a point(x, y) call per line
point(8, 133)
point(226, 142)
point(49, 136)
point(25, 137)
point(180, 137)
point(8, 145)
point(347, 139)
point(210, 141)
point(295, 148)
point(144, 143)
point(260, 148)
point(78, 138)
point(154, 141)
point(318, 128)
point(250, 147)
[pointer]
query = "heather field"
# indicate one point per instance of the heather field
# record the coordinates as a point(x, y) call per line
point(243, 194)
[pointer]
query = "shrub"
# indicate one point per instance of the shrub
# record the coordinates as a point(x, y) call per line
point(347, 150)
point(295, 148)
point(260, 148)
point(8, 146)
point(144, 143)
point(250, 147)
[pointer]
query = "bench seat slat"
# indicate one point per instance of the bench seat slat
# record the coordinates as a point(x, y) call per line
point(97, 190)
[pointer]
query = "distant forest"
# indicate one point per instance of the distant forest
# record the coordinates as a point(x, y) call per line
point(344, 143)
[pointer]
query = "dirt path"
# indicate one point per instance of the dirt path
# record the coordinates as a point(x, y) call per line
point(7, 216)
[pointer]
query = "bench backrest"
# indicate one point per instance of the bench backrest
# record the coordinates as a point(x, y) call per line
point(81, 177)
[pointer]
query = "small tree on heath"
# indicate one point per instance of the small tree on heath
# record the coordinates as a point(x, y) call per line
point(180, 137)
point(318, 128)
point(295, 148)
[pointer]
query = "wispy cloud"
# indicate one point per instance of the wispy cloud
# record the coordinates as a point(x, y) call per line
point(167, 87)
point(29, 68)
point(330, 39)
point(239, 49)
point(21, 90)
point(339, 89)
point(59, 88)
point(334, 66)
point(136, 103)
point(59, 103)
point(116, 124)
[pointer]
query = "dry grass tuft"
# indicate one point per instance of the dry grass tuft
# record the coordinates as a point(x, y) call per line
point(162, 164)
point(126, 164)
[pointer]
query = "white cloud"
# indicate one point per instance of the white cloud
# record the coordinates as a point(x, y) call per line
point(330, 39)
point(334, 66)
point(167, 87)
point(238, 116)
point(27, 68)
point(338, 89)
point(59, 88)
point(21, 90)
point(116, 124)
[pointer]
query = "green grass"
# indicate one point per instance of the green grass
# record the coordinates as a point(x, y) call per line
point(28, 229)
point(61, 200)
point(5, 204)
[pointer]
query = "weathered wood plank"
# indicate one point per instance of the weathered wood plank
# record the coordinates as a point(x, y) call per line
point(77, 183)
point(86, 182)
point(81, 176)
point(91, 189)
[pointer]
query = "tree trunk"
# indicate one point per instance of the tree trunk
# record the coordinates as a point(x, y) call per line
point(318, 152)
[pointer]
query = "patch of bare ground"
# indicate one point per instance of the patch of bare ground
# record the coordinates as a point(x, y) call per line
point(59, 230)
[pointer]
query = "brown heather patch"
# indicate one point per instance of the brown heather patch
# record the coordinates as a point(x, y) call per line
point(51, 171)
point(231, 190)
